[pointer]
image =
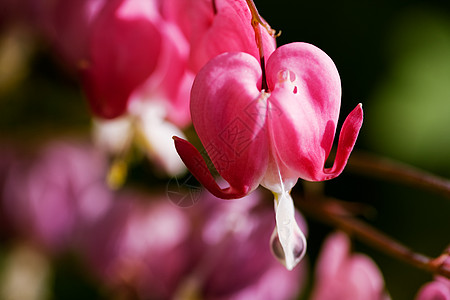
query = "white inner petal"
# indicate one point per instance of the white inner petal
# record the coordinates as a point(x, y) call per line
point(288, 242)
point(157, 137)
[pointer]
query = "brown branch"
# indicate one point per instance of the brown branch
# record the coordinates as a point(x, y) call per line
point(331, 212)
point(384, 168)
point(255, 22)
point(214, 7)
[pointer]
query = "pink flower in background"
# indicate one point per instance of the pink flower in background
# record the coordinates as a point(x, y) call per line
point(221, 26)
point(132, 64)
point(120, 47)
point(54, 196)
point(133, 53)
point(123, 51)
point(343, 275)
point(162, 252)
point(141, 243)
point(269, 137)
point(438, 289)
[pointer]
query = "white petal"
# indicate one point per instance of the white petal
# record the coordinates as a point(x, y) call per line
point(112, 136)
point(288, 242)
point(157, 134)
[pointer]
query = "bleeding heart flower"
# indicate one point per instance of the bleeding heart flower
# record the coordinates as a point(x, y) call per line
point(270, 137)
point(438, 289)
point(137, 82)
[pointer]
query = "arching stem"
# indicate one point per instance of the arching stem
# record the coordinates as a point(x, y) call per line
point(214, 7)
point(256, 22)
point(391, 170)
point(330, 211)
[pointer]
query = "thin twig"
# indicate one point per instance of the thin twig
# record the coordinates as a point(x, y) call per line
point(391, 170)
point(214, 6)
point(257, 19)
point(255, 22)
point(329, 211)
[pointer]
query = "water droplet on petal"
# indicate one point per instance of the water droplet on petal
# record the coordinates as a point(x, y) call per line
point(297, 249)
point(276, 247)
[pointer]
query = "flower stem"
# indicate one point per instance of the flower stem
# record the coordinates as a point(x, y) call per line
point(331, 212)
point(214, 7)
point(256, 21)
point(389, 169)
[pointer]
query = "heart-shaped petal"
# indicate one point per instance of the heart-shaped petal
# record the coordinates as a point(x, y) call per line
point(305, 89)
point(228, 112)
point(123, 52)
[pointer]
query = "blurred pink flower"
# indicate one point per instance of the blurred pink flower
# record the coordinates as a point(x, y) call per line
point(54, 196)
point(133, 53)
point(141, 244)
point(435, 290)
point(213, 250)
point(341, 275)
point(132, 63)
point(438, 289)
point(137, 69)
point(123, 49)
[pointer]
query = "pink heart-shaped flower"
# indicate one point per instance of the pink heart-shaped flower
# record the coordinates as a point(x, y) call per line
point(254, 136)
point(270, 137)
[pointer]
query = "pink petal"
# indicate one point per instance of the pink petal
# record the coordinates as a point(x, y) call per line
point(226, 31)
point(305, 99)
point(333, 255)
point(170, 82)
point(228, 112)
point(347, 139)
point(178, 106)
point(435, 290)
point(123, 53)
point(343, 275)
point(197, 166)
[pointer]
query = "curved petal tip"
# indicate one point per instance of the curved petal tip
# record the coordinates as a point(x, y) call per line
point(197, 166)
point(347, 139)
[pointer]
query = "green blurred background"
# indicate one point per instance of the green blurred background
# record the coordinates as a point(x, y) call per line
point(393, 56)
